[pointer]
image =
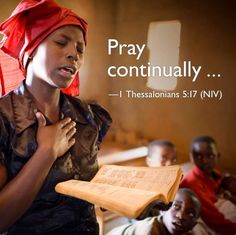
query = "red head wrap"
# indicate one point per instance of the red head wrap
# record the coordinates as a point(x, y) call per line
point(30, 23)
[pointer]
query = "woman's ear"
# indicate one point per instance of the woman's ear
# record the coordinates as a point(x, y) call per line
point(30, 58)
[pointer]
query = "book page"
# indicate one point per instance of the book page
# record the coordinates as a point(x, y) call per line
point(164, 180)
point(124, 201)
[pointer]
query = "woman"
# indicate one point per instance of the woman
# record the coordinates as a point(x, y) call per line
point(46, 136)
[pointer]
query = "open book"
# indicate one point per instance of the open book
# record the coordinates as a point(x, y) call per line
point(126, 190)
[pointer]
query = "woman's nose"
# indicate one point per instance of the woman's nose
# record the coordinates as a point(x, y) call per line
point(72, 53)
point(72, 57)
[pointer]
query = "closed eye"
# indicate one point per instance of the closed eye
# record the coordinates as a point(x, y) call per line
point(60, 42)
point(80, 50)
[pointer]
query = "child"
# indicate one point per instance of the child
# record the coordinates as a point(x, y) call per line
point(205, 180)
point(161, 153)
point(178, 220)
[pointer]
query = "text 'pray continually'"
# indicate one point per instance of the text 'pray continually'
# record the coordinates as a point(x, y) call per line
point(187, 70)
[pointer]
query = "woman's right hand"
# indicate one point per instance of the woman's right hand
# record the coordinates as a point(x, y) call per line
point(56, 139)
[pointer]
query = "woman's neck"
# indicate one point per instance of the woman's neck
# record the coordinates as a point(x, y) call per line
point(46, 98)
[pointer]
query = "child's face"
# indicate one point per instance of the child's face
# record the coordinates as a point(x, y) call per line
point(205, 156)
point(183, 214)
point(162, 156)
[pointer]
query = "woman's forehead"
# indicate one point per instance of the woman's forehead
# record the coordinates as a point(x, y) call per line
point(70, 31)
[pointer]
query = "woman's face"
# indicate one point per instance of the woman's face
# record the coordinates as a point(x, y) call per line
point(58, 58)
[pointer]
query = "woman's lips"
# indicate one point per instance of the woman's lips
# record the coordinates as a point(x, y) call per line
point(66, 72)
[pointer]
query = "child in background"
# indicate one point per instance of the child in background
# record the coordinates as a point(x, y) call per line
point(205, 180)
point(161, 153)
point(178, 220)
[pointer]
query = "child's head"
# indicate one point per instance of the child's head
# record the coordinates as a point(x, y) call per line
point(183, 214)
point(204, 153)
point(161, 153)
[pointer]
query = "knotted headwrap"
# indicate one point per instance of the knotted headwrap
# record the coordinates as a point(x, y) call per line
point(30, 23)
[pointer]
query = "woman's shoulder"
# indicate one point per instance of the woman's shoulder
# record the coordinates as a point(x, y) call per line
point(99, 112)
point(91, 113)
point(6, 117)
point(6, 105)
point(6, 99)
point(12, 100)
point(91, 110)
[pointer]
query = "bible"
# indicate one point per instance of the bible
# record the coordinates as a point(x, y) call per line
point(126, 190)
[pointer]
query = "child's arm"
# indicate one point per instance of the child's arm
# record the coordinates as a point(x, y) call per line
point(213, 217)
point(228, 188)
point(231, 198)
